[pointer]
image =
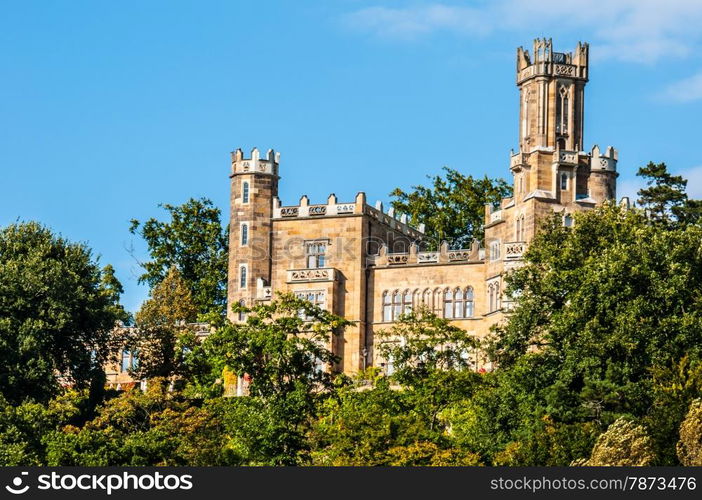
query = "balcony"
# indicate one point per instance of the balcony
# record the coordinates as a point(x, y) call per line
point(312, 275)
point(515, 249)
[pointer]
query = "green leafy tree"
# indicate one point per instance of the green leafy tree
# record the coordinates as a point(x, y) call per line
point(665, 198)
point(283, 348)
point(624, 444)
point(432, 359)
point(452, 208)
point(689, 447)
point(57, 313)
point(162, 336)
point(195, 242)
point(157, 427)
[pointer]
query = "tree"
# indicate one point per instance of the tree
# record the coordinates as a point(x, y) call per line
point(432, 359)
point(284, 349)
point(452, 208)
point(602, 302)
point(690, 445)
point(193, 241)
point(162, 336)
point(624, 444)
point(57, 313)
point(665, 198)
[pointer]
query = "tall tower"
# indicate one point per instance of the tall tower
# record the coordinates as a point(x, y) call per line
point(551, 170)
point(551, 86)
point(254, 185)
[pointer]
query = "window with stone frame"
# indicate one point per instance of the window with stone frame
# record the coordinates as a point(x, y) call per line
point(244, 234)
point(243, 276)
point(245, 192)
point(564, 181)
point(314, 297)
point(315, 254)
point(495, 250)
point(130, 360)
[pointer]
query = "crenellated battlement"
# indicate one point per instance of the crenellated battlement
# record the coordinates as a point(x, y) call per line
point(606, 161)
point(333, 208)
point(543, 61)
point(255, 163)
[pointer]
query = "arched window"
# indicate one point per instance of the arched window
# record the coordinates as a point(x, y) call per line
point(244, 234)
point(469, 307)
point(448, 304)
point(245, 192)
point(387, 307)
point(568, 220)
point(491, 297)
point(426, 299)
point(406, 302)
point(498, 299)
point(242, 314)
point(396, 305)
point(242, 277)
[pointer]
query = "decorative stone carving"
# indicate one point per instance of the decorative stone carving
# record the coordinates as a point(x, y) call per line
point(346, 208)
point(398, 258)
point(455, 255)
point(514, 250)
point(289, 211)
point(301, 275)
point(318, 210)
point(564, 70)
point(427, 257)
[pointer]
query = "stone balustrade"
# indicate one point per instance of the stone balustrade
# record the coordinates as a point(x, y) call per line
point(514, 249)
point(414, 257)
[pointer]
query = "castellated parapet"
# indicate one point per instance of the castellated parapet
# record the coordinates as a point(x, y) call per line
point(255, 164)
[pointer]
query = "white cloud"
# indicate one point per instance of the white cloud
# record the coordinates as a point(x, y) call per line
point(685, 90)
point(694, 182)
point(641, 31)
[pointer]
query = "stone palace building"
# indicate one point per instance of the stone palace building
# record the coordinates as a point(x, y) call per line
point(364, 263)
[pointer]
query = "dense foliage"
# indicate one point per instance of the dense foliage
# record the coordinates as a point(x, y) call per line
point(57, 311)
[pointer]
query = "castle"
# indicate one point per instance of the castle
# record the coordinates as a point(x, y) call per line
point(365, 264)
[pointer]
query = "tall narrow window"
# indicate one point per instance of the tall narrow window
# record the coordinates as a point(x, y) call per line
point(387, 307)
point(426, 299)
point(407, 302)
point(564, 181)
point(245, 192)
point(244, 234)
point(470, 309)
point(126, 355)
point(315, 253)
point(495, 250)
point(458, 302)
point(396, 305)
point(242, 277)
point(242, 313)
point(448, 304)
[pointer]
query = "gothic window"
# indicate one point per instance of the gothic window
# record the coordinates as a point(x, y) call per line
point(448, 304)
point(426, 299)
point(494, 297)
point(469, 303)
point(242, 277)
point(464, 303)
point(562, 110)
point(564, 181)
point(387, 307)
point(242, 313)
point(315, 297)
point(407, 302)
point(245, 192)
point(568, 220)
point(244, 234)
point(438, 301)
point(396, 305)
point(495, 250)
point(315, 253)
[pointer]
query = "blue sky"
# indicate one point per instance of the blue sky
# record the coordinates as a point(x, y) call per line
point(109, 108)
